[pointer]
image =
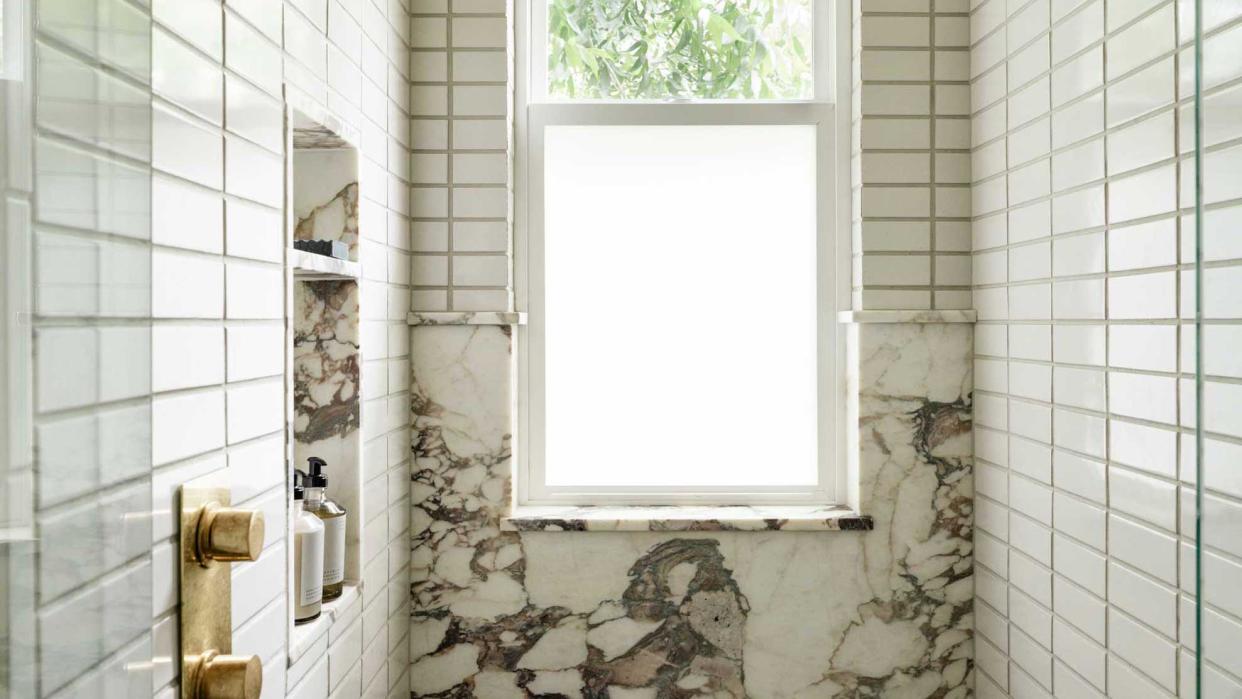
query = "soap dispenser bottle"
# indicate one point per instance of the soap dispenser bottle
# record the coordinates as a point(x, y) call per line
point(333, 516)
point(307, 558)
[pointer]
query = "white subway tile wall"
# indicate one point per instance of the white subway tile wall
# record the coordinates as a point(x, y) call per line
point(460, 166)
point(911, 154)
point(158, 187)
point(1083, 272)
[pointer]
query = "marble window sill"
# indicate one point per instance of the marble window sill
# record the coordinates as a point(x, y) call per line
point(625, 518)
point(912, 317)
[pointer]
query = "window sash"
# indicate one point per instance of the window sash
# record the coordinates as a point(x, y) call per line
point(534, 113)
point(832, 282)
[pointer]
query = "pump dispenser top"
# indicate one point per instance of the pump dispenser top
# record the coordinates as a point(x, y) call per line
point(315, 477)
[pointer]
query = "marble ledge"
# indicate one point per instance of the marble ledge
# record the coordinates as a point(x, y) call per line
point(929, 317)
point(739, 518)
point(465, 318)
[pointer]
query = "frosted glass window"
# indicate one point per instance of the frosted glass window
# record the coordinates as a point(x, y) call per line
point(698, 245)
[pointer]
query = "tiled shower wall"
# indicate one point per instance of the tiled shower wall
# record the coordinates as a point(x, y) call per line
point(159, 333)
point(1083, 273)
point(460, 168)
point(911, 154)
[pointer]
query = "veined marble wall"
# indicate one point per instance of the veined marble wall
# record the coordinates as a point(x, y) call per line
point(765, 614)
point(326, 380)
point(325, 201)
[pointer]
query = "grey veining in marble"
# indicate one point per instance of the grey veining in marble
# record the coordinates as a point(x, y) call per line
point(767, 614)
point(466, 318)
point(684, 518)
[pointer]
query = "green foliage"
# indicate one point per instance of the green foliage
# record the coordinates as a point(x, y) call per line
point(661, 49)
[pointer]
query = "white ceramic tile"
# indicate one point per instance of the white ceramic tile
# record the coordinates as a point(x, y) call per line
point(253, 231)
point(251, 55)
point(1030, 302)
point(1142, 648)
point(1078, 475)
point(258, 583)
point(1078, 210)
point(254, 351)
point(1142, 143)
point(196, 21)
point(1078, 165)
point(1141, 93)
point(1143, 547)
point(186, 356)
point(1078, 255)
point(1079, 608)
point(1029, 262)
point(186, 216)
point(186, 425)
point(186, 149)
point(1080, 388)
point(1142, 296)
point(1077, 121)
point(1141, 42)
point(1078, 299)
point(1031, 342)
point(186, 286)
point(253, 173)
point(254, 409)
point(1150, 244)
point(487, 32)
point(1143, 396)
point(186, 78)
point(254, 291)
point(1077, 651)
point(253, 114)
point(1077, 77)
point(1151, 347)
point(1079, 432)
point(1079, 563)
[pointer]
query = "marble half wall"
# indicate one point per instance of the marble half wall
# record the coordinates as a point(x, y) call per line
point(767, 614)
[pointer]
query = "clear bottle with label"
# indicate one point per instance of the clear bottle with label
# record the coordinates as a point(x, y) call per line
point(334, 521)
point(307, 560)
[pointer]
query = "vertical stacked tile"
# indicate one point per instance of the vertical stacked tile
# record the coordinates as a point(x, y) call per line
point(460, 102)
point(910, 174)
point(1083, 273)
point(159, 340)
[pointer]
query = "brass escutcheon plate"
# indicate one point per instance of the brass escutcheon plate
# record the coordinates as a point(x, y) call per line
point(206, 587)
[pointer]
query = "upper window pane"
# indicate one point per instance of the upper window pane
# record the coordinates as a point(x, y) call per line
point(687, 49)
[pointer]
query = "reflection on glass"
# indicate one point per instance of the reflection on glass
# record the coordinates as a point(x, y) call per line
point(713, 49)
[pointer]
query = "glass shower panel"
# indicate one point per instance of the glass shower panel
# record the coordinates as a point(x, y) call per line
point(80, 534)
point(1212, 396)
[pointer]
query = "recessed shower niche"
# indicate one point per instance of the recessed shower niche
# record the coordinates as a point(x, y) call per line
point(326, 349)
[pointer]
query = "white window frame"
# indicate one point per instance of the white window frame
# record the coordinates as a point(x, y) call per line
point(533, 113)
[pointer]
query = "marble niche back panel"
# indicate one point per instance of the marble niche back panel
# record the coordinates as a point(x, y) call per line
point(769, 614)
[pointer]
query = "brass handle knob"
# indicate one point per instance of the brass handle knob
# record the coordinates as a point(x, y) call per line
point(215, 676)
point(228, 534)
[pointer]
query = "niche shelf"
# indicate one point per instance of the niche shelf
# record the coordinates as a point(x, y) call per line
point(307, 266)
point(325, 350)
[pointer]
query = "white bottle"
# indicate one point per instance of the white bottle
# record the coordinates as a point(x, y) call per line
point(307, 561)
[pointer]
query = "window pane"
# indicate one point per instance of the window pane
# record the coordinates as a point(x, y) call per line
point(699, 243)
point(706, 49)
